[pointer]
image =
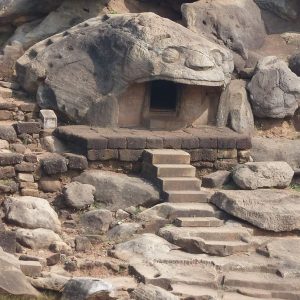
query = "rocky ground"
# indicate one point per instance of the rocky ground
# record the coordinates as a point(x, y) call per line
point(148, 224)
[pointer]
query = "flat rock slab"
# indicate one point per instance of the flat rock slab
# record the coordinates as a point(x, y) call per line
point(274, 210)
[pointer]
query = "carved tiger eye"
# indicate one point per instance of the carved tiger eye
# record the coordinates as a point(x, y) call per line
point(199, 61)
point(170, 55)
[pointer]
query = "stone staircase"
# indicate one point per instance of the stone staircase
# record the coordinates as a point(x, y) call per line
point(198, 229)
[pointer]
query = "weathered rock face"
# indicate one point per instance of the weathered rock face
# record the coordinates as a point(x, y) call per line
point(274, 210)
point(276, 149)
point(286, 9)
point(21, 11)
point(31, 212)
point(111, 53)
point(274, 89)
point(119, 191)
point(234, 108)
point(254, 175)
point(68, 14)
point(237, 24)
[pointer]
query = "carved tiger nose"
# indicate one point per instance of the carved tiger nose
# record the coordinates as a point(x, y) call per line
point(199, 61)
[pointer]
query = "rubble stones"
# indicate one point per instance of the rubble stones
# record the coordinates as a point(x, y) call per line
point(76, 162)
point(49, 185)
point(28, 127)
point(96, 221)
point(7, 172)
point(54, 164)
point(82, 243)
point(7, 159)
point(78, 195)
point(31, 268)
point(8, 241)
point(123, 231)
point(7, 133)
point(37, 238)
point(31, 212)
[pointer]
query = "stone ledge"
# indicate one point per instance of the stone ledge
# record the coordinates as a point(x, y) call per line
point(87, 138)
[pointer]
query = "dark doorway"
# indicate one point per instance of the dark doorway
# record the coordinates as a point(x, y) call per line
point(163, 95)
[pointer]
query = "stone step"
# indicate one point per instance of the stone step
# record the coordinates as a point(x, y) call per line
point(186, 196)
point(180, 210)
point(179, 184)
point(224, 233)
point(174, 170)
point(279, 286)
point(167, 170)
point(198, 222)
point(205, 240)
point(166, 156)
point(171, 211)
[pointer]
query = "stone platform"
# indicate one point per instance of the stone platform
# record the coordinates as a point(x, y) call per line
point(209, 147)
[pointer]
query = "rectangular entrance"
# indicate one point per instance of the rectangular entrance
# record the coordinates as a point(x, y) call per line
point(163, 96)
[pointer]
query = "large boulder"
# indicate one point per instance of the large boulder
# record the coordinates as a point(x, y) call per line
point(21, 11)
point(68, 14)
point(37, 238)
point(254, 175)
point(96, 221)
point(274, 89)
point(111, 53)
point(119, 191)
point(234, 108)
point(237, 24)
point(286, 9)
point(12, 280)
point(31, 212)
point(274, 210)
